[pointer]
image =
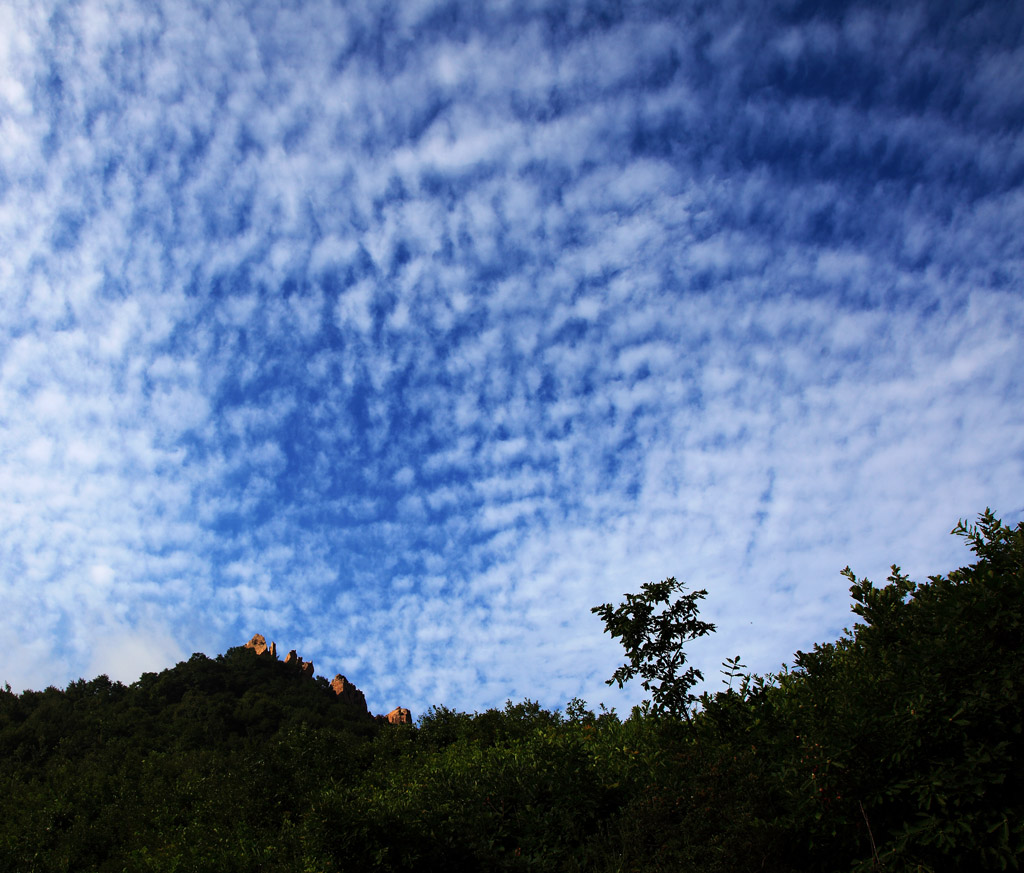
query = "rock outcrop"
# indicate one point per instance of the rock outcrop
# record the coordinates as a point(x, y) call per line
point(348, 693)
point(305, 667)
point(258, 644)
point(399, 716)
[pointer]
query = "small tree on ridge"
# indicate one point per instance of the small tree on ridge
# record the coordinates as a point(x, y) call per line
point(652, 631)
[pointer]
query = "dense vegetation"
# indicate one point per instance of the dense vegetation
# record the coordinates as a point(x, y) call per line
point(897, 747)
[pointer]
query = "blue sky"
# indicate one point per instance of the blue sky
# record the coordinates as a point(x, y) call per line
point(404, 333)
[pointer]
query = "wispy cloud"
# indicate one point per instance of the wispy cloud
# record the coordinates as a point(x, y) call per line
point(406, 336)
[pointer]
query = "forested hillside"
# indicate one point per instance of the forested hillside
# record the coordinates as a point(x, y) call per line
point(897, 747)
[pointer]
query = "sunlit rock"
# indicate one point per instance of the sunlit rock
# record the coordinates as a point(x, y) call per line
point(399, 716)
point(258, 644)
point(348, 693)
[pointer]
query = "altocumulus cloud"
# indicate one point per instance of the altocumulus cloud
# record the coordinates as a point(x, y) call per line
point(404, 334)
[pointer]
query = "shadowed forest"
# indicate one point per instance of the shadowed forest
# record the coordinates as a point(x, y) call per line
point(897, 747)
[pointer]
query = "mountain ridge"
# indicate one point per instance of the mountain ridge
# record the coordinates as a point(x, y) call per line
point(347, 692)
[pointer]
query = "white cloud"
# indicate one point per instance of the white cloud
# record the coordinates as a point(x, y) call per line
point(353, 307)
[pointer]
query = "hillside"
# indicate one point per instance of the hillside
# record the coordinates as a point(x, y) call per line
point(896, 747)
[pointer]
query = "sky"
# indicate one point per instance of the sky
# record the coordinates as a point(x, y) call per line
point(405, 333)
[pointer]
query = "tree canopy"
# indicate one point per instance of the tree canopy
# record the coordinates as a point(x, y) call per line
point(653, 629)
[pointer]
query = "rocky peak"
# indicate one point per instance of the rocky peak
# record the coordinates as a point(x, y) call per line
point(399, 716)
point(305, 667)
point(258, 644)
point(348, 693)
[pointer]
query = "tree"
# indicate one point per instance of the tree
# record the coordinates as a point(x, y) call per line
point(652, 631)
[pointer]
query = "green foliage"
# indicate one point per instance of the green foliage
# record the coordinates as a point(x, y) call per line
point(653, 630)
point(201, 767)
point(899, 746)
